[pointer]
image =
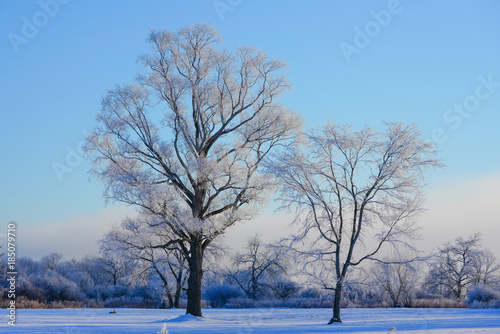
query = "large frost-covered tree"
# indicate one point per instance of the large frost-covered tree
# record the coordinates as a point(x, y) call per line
point(356, 193)
point(185, 142)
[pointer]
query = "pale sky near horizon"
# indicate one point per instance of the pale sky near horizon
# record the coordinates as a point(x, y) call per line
point(435, 64)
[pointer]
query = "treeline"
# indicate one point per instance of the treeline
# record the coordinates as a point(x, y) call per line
point(460, 274)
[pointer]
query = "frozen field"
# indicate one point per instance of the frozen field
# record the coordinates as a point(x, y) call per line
point(262, 321)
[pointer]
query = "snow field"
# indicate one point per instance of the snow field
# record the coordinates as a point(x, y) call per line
point(261, 321)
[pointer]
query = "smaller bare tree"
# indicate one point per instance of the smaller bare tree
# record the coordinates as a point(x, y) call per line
point(485, 269)
point(453, 271)
point(254, 268)
point(397, 281)
point(355, 193)
point(51, 261)
point(285, 289)
point(112, 265)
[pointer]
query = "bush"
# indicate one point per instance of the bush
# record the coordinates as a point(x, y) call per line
point(240, 302)
point(150, 296)
point(107, 292)
point(437, 303)
point(285, 289)
point(28, 290)
point(482, 297)
point(58, 288)
point(49, 287)
point(495, 304)
point(81, 278)
point(305, 302)
point(219, 295)
point(310, 293)
point(24, 303)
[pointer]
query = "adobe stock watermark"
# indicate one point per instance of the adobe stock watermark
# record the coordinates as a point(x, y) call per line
point(11, 273)
point(223, 6)
point(73, 159)
point(455, 116)
point(363, 36)
point(31, 25)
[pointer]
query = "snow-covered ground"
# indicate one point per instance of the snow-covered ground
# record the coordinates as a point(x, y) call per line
point(261, 321)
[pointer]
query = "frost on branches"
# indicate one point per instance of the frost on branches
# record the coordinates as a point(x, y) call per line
point(148, 242)
point(355, 192)
point(185, 142)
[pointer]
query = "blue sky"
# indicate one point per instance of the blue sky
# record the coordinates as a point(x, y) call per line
point(415, 61)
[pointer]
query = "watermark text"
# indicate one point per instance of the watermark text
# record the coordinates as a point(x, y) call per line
point(11, 273)
point(31, 25)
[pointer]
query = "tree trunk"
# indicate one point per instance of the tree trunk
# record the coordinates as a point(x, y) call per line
point(336, 303)
point(165, 286)
point(459, 291)
point(177, 297)
point(195, 262)
point(170, 301)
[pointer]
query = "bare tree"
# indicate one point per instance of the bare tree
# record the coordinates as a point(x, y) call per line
point(254, 268)
point(454, 268)
point(114, 266)
point(51, 261)
point(355, 192)
point(485, 269)
point(397, 280)
point(285, 289)
point(148, 243)
point(186, 141)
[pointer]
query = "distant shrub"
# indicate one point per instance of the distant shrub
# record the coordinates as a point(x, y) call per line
point(219, 295)
point(240, 302)
point(24, 303)
point(268, 303)
point(427, 294)
point(437, 303)
point(60, 304)
point(50, 287)
point(304, 302)
point(81, 278)
point(482, 297)
point(495, 304)
point(106, 292)
point(285, 289)
point(27, 289)
point(150, 296)
point(310, 293)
